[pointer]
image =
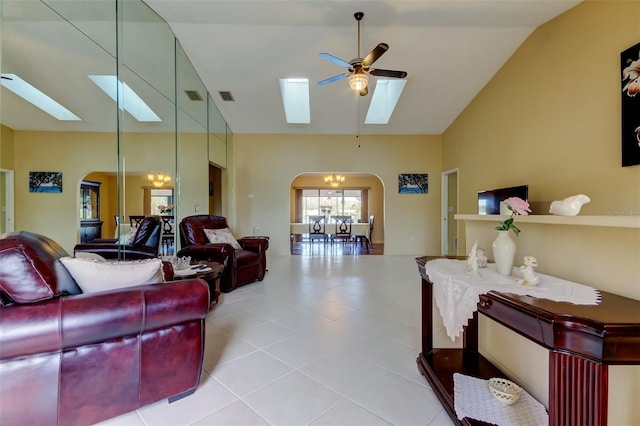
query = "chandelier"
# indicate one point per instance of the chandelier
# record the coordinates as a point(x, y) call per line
point(334, 180)
point(158, 179)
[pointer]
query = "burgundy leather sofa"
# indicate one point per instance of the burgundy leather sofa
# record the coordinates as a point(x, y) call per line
point(145, 243)
point(68, 358)
point(242, 266)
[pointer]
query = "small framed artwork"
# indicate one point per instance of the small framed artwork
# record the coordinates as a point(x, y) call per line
point(50, 182)
point(630, 65)
point(413, 183)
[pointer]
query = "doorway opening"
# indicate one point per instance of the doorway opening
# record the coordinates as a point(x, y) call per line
point(449, 226)
point(320, 209)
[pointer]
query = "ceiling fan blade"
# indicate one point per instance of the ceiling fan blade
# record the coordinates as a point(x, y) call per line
point(375, 54)
point(335, 60)
point(388, 73)
point(364, 91)
point(332, 79)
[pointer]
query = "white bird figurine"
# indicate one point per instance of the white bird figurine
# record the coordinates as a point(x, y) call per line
point(471, 268)
point(529, 277)
point(570, 206)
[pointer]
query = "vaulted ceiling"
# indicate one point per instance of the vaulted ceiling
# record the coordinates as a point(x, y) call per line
point(449, 48)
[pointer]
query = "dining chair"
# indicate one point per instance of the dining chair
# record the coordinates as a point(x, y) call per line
point(343, 229)
point(135, 220)
point(366, 239)
point(317, 229)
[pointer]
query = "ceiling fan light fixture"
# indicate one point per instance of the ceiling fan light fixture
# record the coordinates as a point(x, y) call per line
point(358, 81)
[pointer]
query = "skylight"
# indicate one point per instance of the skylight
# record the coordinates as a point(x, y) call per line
point(295, 98)
point(384, 100)
point(30, 94)
point(131, 102)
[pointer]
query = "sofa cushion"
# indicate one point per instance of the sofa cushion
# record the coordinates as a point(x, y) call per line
point(31, 270)
point(96, 276)
point(222, 236)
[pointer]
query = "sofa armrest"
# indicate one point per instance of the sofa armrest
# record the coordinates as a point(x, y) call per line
point(115, 251)
point(221, 253)
point(72, 321)
point(255, 244)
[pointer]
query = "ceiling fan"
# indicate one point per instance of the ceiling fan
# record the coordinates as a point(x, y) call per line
point(358, 69)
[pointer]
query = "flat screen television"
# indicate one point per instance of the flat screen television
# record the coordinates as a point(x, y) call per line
point(489, 201)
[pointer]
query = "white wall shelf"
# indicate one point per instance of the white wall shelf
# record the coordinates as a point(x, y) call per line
point(632, 222)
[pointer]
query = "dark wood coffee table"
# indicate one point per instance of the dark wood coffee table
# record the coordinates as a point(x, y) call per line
point(211, 274)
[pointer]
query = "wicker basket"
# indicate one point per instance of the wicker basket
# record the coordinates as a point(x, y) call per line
point(504, 390)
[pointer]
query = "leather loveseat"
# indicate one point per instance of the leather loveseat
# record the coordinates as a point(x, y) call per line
point(145, 244)
point(241, 266)
point(68, 358)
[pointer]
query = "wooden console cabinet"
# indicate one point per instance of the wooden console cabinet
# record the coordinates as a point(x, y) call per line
point(582, 342)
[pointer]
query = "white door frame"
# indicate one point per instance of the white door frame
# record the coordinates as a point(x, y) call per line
point(8, 202)
point(444, 226)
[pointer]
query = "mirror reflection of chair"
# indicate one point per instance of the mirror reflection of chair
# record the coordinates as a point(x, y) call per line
point(317, 229)
point(343, 229)
point(135, 221)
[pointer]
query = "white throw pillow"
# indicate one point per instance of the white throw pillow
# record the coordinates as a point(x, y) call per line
point(127, 238)
point(95, 276)
point(222, 235)
point(87, 255)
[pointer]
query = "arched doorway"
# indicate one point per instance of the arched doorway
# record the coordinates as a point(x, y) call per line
point(359, 197)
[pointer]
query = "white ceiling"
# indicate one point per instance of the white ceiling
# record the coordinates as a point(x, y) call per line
point(449, 48)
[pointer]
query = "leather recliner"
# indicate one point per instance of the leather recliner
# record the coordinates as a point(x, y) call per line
point(145, 243)
point(68, 358)
point(241, 266)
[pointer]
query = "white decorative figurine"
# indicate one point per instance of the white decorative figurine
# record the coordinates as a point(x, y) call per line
point(570, 206)
point(481, 259)
point(471, 268)
point(529, 277)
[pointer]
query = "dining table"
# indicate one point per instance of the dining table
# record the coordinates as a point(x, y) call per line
point(357, 229)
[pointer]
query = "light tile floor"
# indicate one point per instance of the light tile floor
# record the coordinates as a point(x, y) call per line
point(323, 340)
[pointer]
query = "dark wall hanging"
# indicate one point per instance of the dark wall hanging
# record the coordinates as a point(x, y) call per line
point(630, 65)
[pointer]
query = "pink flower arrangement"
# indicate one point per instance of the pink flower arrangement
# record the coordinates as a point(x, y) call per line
point(518, 207)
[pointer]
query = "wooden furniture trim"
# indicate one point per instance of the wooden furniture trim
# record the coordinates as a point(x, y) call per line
point(583, 340)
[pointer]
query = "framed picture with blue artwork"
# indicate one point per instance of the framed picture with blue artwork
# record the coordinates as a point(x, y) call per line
point(413, 183)
point(50, 182)
point(630, 65)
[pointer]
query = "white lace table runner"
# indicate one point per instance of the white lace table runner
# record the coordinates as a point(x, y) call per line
point(472, 399)
point(457, 294)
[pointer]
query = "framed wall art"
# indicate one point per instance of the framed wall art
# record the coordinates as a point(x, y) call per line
point(50, 182)
point(630, 65)
point(413, 183)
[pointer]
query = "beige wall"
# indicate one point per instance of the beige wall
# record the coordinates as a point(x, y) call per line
point(6, 148)
point(551, 119)
point(266, 165)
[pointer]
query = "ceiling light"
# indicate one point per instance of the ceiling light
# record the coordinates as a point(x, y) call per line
point(358, 81)
point(295, 99)
point(384, 100)
point(334, 180)
point(130, 101)
point(158, 179)
point(30, 94)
